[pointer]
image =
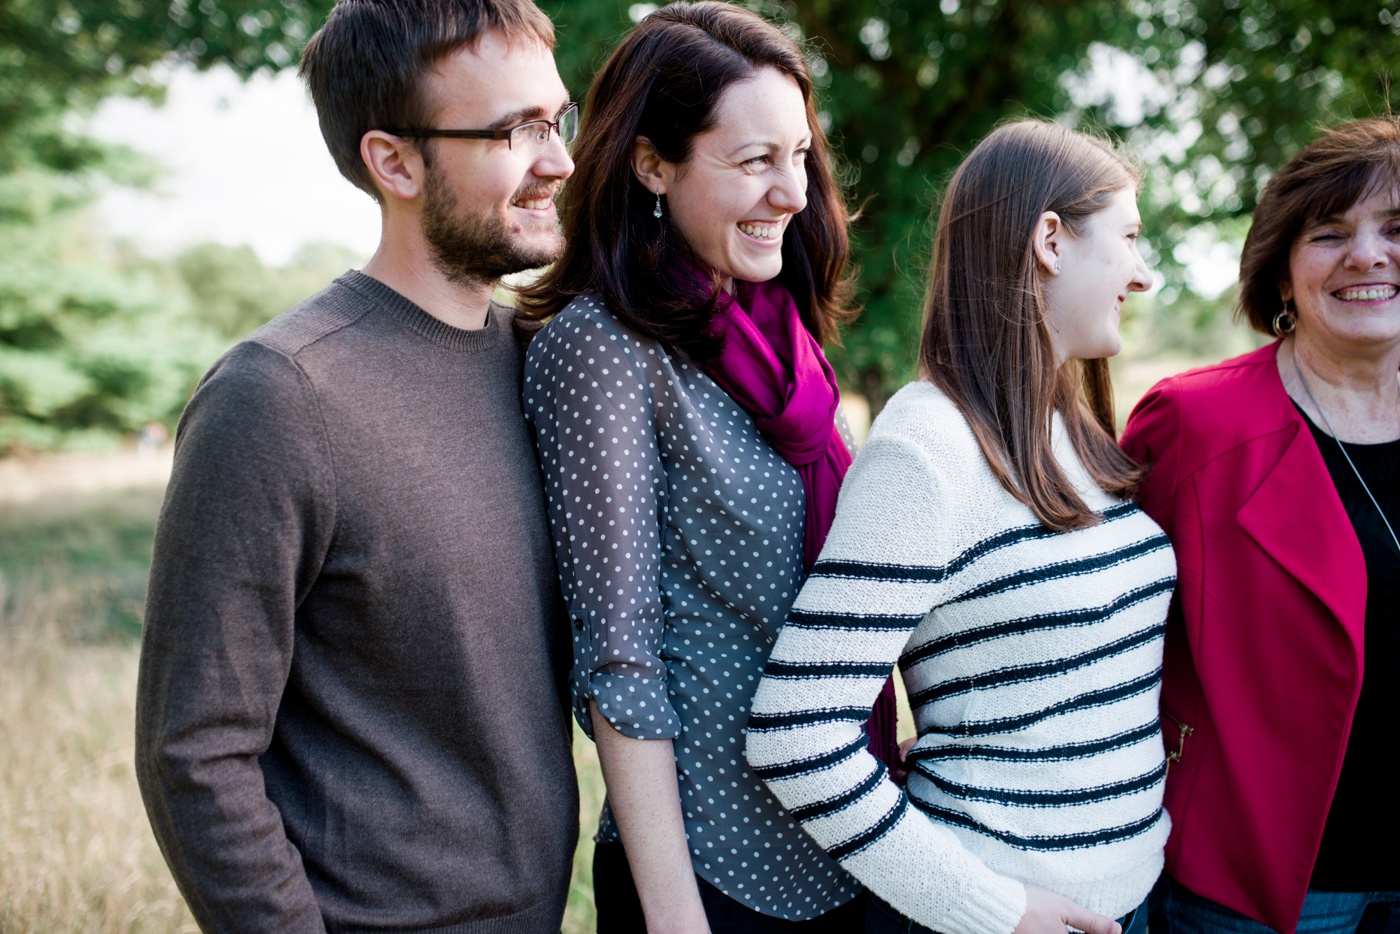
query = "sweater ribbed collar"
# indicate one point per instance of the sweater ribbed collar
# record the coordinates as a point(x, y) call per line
point(431, 329)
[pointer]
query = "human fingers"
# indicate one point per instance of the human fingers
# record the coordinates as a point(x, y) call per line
point(1090, 922)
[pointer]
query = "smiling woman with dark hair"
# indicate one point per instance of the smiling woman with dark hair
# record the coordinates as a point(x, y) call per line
point(684, 414)
point(1277, 476)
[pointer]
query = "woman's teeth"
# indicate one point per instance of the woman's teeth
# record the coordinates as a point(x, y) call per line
point(1369, 293)
point(762, 231)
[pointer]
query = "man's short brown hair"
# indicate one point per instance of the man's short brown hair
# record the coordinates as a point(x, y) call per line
point(365, 67)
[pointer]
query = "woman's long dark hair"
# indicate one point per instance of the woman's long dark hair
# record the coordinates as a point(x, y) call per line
point(664, 82)
point(985, 340)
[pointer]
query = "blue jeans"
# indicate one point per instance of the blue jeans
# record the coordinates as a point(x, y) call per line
point(882, 919)
point(1185, 912)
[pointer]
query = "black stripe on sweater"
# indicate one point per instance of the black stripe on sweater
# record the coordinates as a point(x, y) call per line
point(1015, 674)
point(862, 840)
point(1098, 698)
point(874, 622)
point(867, 570)
point(777, 669)
point(790, 719)
point(1069, 841)
point(842, 801)
point(1048, 798)
point(794, 767)
point(1150, 730)
point(1083, 616)
point(1075, 568)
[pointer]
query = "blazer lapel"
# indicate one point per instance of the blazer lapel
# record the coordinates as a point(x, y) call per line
point(1297, 518)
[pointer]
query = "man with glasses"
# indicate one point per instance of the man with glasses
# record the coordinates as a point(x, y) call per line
point(348, 713)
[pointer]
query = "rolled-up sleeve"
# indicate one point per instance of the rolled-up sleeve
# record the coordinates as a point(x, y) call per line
point(589, 400)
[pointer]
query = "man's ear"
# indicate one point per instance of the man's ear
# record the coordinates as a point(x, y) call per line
point(650, 169)
point(395, 164)
point(1045, 242)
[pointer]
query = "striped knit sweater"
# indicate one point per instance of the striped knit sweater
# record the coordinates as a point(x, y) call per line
point(1033, 664)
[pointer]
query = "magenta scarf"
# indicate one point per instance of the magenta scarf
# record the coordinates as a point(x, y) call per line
point(775, 369)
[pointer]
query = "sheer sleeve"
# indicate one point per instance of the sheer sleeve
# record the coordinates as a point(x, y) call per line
point(591, 398)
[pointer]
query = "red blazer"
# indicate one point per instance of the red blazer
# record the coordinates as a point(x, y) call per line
point(1264, 641)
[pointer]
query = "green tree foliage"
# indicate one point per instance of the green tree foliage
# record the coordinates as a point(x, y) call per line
point(232, 292)
point(58, 56)
point(1213, 94)
point(76, 354)
point(95, 340)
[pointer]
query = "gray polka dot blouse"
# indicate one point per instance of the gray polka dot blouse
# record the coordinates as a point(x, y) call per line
point(678, 535)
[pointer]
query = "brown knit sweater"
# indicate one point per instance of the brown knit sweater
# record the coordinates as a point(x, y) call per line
point(348, 715)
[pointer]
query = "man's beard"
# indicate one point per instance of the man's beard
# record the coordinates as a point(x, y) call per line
point(477, 249)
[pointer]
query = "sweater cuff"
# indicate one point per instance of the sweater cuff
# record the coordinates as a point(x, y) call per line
point(991, 905)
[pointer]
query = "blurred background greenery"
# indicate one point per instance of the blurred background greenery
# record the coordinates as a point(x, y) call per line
point(101, 337)
point(98, 339)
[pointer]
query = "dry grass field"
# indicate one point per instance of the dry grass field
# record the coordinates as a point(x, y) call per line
point(76, 853)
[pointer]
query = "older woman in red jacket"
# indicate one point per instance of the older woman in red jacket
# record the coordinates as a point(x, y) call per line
point(1277, 477)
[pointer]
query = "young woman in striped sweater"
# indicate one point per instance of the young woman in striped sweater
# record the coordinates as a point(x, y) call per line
point(984, 539)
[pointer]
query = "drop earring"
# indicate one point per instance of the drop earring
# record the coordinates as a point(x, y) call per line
point(1285, 321)
point(656, 212)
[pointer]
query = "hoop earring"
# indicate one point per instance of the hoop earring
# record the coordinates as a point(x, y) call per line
point(1285, 321)
point(656, 212)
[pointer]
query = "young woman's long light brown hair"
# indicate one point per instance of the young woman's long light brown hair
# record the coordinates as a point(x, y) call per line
point(986, 342)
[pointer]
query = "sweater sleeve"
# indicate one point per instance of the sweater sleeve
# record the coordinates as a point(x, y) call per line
point(881, 571)
point(589, 400)
point(246, 521)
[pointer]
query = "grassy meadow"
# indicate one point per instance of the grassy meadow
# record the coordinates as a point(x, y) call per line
point(76, 853)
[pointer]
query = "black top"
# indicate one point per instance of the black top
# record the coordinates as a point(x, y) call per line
point(1365, 810)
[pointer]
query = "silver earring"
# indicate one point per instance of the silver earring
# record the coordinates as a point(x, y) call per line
point(1057, 267)
point(656, 212)
point(1285, 321)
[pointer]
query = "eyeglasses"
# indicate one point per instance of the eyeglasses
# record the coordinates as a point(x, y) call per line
point(530, 136)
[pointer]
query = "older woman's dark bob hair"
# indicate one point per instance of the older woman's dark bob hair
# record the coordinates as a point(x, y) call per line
point(664, 82)
point(1332, 173)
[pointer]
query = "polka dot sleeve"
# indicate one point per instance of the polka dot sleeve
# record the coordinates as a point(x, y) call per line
point(589, 400)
